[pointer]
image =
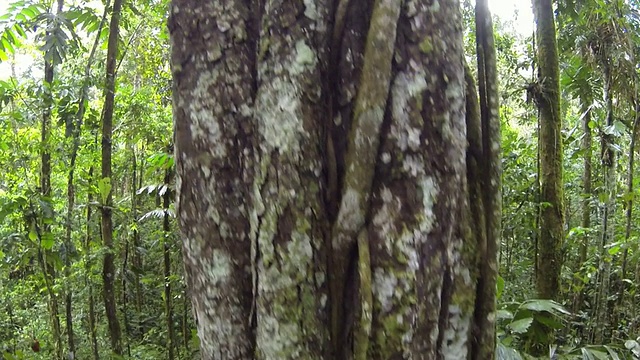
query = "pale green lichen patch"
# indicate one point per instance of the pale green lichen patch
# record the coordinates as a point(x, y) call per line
point(383, 218)
point(285, 298)
point(311, 10)
point(201, 108)
point(455, 338)
point(305, 58)
point(384, 288)
point(426, 46)
point(429, 192)
point(219, 268)
point(351, 215)
point(279, 116)
point(406, 128)
point(279, 101)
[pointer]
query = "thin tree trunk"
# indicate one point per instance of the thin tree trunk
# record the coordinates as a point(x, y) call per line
point(635, 328)
point(629, 202)
point(490, 187)
point(586, 199)
point(108, 272)
point(136, 258)
point(186, 331)
point(166, 228)
point(125, 296)
point(49, 278)
point(45, 189)
point(75, 133)
point(93, 336)
point(601, 325)
point(547, 97)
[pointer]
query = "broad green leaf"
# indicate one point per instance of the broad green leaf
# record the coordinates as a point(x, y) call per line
point(596, 354)
point(504, 314)
point(614, 250)
point(544, 305)
point(104, 188)
point(521, 326)
point(612, 353)
point(549, 321)
point(506, 353)
point(48, 241)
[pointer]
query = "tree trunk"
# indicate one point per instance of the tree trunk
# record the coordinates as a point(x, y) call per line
point(547, 97)
point(167, 237)
point(585, 223)
point(93, 336)
point(622, 285)
point(76, 130)
point(186, 331)
point(489, 175)
point(125, 297)
point(136, 183)
point(108, 271)
point(601, 324)
point(45, 191)
point(322, 180)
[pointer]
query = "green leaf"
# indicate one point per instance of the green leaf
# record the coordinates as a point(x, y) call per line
point(594, 354)
point(104, 188)
point(504, 314)
point(499, 287)
point(612, 353)
point(506, 353)
point(521, 326)
point(544, 305)
point(48, 241)
point(549, 321)
point(614, 250)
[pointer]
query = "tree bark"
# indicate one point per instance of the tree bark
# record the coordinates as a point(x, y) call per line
point(108, 270)
point(322, 180)
point(547, 97)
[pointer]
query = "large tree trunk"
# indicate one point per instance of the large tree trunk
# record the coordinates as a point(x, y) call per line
point(547, 96)
point(108, 269)
point(321, 158)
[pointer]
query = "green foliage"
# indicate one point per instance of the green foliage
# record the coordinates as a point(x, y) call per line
point(142, 130)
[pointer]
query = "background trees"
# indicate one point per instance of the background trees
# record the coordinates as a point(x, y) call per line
point(51, 241)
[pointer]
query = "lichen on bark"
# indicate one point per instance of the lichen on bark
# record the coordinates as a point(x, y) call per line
point(262, 92)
